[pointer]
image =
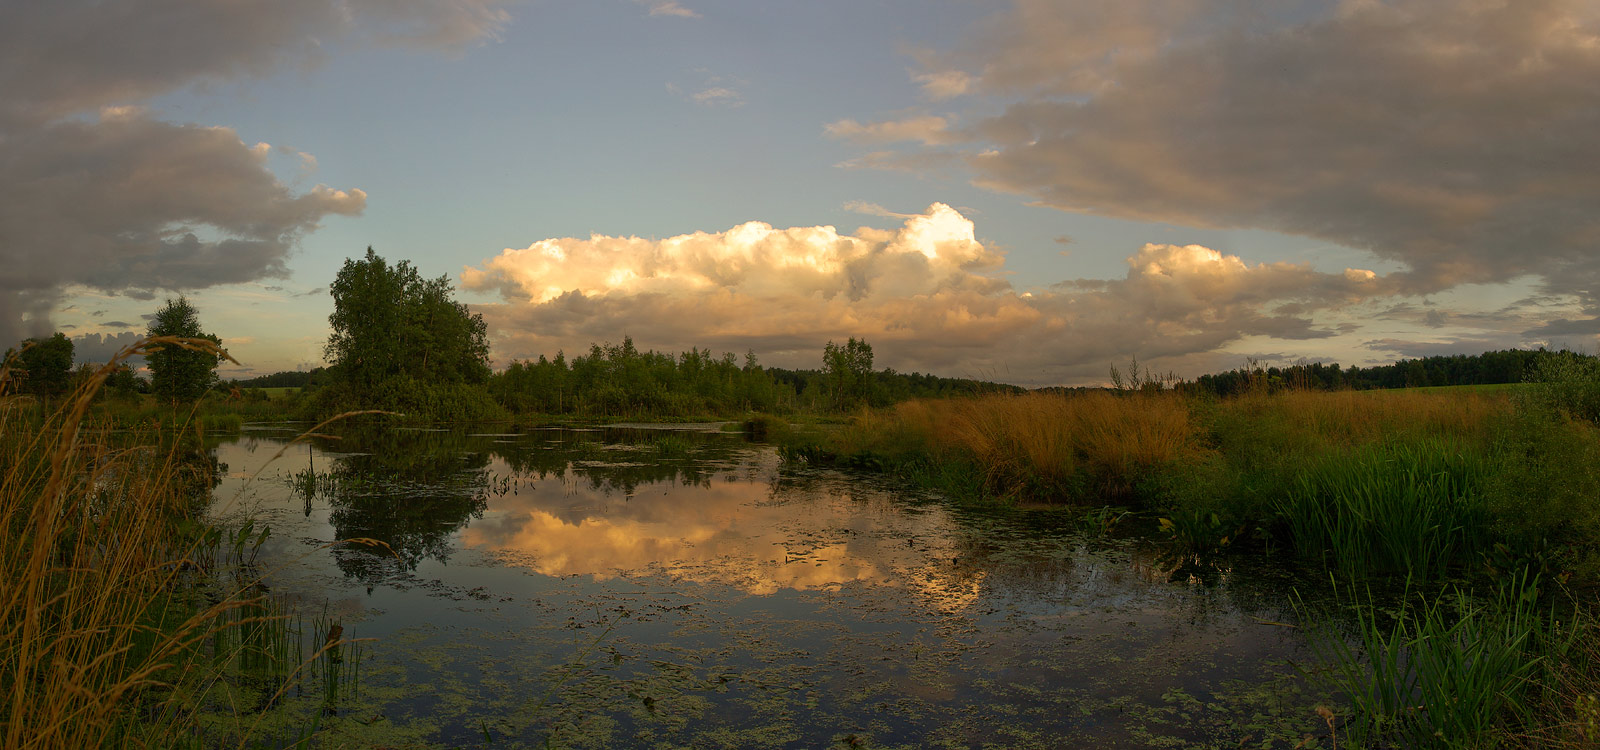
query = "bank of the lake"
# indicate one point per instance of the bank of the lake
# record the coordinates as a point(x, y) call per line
point(1485, 504)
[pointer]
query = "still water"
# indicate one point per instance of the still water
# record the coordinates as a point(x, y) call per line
point(649, 587)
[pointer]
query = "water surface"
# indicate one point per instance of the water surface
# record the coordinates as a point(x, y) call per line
point(633, 587)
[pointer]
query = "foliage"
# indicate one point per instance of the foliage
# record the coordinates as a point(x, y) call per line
point(1509, 366)
point(848, 370)
point(45, 365)
point(620, 380)
point(401, 343)
point(1566, 383)
point(1392, 507)
point(407, 399)
point(388, 321)
point(1445, 671)
point(1040, 446)
point(286, 379)
point(179, 371)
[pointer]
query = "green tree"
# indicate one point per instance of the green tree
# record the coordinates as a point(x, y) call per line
point(848, 370)
point(389, 322)
point(178, 373)
point(45, 364)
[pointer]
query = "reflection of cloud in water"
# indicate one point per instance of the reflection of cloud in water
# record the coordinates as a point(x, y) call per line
point(737, 533)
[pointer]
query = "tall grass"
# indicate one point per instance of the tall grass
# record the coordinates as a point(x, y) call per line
point(115, 619)
point(1064, 448)
point(1407, 508)
point(1449, 670)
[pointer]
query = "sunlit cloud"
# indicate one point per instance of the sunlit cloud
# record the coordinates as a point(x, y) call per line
point(873, 209)
point(710, 90)
point(929, 130)
point(668, 8)
point(929, 296)
point(945, 84)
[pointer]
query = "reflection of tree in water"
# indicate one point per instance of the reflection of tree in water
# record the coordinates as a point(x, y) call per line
point(195, 468)
point(409, 489)
point(619, 460)
point(413, 489)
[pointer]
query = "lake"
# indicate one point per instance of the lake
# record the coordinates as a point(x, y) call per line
point(683, 587)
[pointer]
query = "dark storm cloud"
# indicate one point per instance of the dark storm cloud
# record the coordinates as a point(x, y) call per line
point(96, 193)
point(66, 56)
point(1453, 136)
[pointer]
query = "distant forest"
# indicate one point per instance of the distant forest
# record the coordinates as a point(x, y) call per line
point(621, 378)
point(1508, 366)
point(618, 379)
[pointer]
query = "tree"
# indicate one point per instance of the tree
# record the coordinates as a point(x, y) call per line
point(848, 370)
point(46, 365)
point(388, 322)
point(179, 373)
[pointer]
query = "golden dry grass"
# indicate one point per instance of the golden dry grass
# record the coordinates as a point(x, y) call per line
point(1349, 418)
point(1048, 441)
point(99, 630)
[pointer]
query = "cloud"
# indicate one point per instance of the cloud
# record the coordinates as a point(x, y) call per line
point(67, 56)
point(668, 8)
point(97, 192)
point(709, 89)
point(929, 130)
point(1451, 136)
point(873, 209)
point(926, 295)
point(945, 84)
point(132, 205)
point(96, 348)
point(718, 96)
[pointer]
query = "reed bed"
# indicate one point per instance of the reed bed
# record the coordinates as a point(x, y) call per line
point(1037, 445)
point(118, 613)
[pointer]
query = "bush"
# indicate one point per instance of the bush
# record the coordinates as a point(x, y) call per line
point(410, 400)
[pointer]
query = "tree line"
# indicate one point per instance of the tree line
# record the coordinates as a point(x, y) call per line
point(1488, 368)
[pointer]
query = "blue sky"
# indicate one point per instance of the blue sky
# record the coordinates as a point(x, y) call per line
point(1047, 187)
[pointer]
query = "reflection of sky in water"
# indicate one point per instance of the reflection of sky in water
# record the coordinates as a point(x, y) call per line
point(710, 532)
point(764, 607)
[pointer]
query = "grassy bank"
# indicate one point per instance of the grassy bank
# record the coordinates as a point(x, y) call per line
point(1487, 501)
point(127, 620)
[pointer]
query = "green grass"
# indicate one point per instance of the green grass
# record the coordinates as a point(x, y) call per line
point(1486, 388)
point(1444, 670)
point(1405, 508)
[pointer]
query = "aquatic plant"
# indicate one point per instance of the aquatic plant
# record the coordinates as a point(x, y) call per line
point(1445, 670)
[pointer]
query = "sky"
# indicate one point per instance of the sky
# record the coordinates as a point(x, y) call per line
point(1025, 191)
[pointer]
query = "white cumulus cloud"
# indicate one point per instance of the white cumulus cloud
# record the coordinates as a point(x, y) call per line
point(928, 296)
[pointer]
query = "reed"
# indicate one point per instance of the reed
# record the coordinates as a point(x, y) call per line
point(1042, 446)
point(117, 614)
